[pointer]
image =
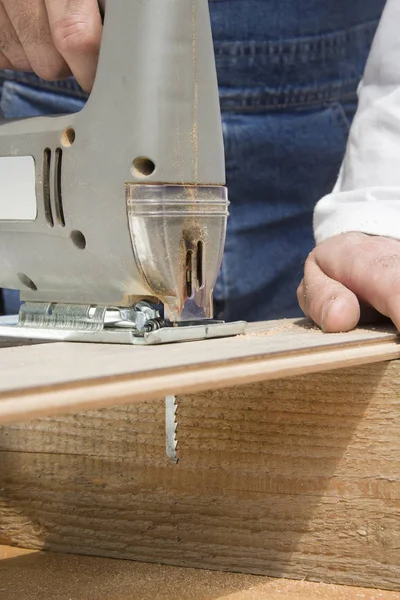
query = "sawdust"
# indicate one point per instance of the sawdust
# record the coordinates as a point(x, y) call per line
point(306, 326)
point(289, 327)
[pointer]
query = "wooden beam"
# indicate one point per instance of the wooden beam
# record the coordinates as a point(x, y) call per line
point(46, 576)
point(293, 477)
point(49, 379)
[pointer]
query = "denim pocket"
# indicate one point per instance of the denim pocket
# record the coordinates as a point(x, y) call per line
point(278, 165)
point(295, 149)
point(19, 100)
point(342, 116)
point(346, 111)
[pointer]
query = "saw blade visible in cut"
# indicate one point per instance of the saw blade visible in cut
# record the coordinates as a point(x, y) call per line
point(171, 427)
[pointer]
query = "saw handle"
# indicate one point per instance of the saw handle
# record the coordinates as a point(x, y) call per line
point(154, 100)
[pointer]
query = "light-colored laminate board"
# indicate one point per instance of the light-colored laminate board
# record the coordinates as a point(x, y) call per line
point(48, 379)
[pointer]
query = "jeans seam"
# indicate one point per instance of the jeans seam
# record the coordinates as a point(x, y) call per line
point(251, 99)
point(301, 47)
point(329, 45)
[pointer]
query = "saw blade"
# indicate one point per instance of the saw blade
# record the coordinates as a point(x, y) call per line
point(171, 426)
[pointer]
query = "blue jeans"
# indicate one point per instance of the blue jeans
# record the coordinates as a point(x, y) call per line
point(288, 71)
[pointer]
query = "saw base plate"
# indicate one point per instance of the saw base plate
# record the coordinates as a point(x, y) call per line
point(9, 328)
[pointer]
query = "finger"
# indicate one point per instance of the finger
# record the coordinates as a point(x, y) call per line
point(327, 302)
point(10, 46)
point(76, 27)
point(31, 24)
point(369, 266)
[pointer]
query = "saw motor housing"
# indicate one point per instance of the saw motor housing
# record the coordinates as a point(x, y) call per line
point(124, 201)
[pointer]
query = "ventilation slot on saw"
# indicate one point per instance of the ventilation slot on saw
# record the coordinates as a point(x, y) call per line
point(52, 177)
point(46, 187)
point(199, 263)
point(57, 188)
point(189, 273)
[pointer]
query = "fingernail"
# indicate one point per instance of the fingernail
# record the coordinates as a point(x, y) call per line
point(341, 313)
point(325, 311)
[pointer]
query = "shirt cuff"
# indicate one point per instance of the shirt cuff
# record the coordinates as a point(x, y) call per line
point(375, 211)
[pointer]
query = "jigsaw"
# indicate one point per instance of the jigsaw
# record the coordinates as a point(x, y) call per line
point(113, 220)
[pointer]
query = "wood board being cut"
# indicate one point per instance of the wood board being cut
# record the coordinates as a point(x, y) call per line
point(56, 378)
point(279, 473)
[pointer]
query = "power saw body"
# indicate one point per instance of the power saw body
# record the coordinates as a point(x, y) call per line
point(113, 220)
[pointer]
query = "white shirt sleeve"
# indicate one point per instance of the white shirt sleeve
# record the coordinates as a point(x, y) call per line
point(366, 196)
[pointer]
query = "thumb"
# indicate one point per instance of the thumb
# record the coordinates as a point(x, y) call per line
point(330, 304)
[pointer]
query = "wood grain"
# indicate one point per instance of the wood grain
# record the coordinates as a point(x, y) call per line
point(295, 477)
point(49, 379)
point(46, 576)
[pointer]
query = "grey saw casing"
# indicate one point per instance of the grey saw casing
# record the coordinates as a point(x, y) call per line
point(156, 96)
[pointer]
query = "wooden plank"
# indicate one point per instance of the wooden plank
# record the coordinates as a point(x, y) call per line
point(295, 477)
point(57, 378)
point(46, 576)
